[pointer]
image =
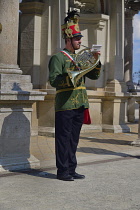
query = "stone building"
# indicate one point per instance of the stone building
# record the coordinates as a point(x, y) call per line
point(101, 22)
point(27, 99)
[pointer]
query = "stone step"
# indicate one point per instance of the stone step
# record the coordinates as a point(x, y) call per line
point(15, 77)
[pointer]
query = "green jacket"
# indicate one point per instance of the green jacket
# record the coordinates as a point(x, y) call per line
point(67, 97)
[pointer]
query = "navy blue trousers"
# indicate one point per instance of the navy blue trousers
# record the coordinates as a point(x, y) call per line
point(67, 130)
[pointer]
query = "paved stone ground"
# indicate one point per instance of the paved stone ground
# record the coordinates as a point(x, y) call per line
point(92, 146)
point(108, 160)
point(109, 185)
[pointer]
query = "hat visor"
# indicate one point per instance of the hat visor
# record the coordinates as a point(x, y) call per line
point(77, 35)
point(74, 35)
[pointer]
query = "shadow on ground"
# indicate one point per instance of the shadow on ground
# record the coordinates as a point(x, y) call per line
point(107, 141)
point(100, 151)
point(31, 172)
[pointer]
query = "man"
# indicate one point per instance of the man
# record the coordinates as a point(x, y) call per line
point(70, 101)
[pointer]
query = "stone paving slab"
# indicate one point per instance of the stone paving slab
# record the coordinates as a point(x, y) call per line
point(92, 146)
point(109, 185)
point(109, 162)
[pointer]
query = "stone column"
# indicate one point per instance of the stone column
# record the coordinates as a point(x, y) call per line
point(131, 109)
point(51, 42)
point(115, 90)
point(9, 37)
point(30, 39)
point(94, 28)
point(128, 63)
point(128, 50)
point(51, 39)
point(16, 96)
point(137, 141)
point(116, 71)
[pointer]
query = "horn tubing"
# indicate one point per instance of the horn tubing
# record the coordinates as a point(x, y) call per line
point(76, 75)
point(85, 46)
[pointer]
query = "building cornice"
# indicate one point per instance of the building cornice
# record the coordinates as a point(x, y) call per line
point(32, 8)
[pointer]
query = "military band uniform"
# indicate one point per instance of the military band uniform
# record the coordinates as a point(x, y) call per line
point(70, 103)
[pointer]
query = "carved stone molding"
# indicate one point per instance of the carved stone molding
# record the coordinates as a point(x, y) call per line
point(32, 1)
point(34, 8)
point(98, 21)
point(85, 6)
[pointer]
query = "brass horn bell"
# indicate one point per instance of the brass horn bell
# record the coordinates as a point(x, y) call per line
point(86, 62)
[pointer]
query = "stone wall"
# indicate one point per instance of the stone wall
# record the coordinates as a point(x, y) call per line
point(106, 29)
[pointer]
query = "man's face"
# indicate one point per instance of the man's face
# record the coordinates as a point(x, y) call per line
point(76, 42)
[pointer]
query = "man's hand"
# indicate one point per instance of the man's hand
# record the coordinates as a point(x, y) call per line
point(96, 54)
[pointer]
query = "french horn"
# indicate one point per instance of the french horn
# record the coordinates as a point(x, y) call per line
point(85, 62)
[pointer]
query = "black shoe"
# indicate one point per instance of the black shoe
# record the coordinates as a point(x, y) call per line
point(77, 176)
point(65, 177)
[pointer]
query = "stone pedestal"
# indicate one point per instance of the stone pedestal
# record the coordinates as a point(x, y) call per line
point(47, 114)
point(131, 109)
point(15, 136)
point(114, 115)
point(16, 96)
point(113, 107)
point(137, 141)
point(95, 109)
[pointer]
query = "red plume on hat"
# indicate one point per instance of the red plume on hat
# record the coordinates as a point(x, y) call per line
point(70, 28)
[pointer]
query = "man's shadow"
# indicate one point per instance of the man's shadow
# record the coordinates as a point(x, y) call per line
point(38, 173)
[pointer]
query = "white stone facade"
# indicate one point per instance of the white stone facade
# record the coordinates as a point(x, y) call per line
point(101, 22)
